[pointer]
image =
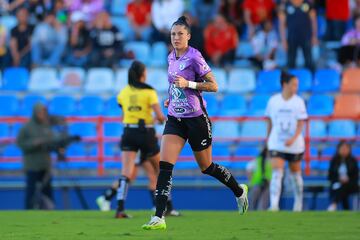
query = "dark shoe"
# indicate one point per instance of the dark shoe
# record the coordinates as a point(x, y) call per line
point(122, 215)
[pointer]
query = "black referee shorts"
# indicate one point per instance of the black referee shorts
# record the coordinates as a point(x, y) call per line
point(290, 157)
point(196, 129)
point(140, 139)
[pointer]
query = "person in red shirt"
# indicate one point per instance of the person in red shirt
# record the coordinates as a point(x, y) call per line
point(221, 40)
point(256, 12)
point(139, 15)
point(337, 15)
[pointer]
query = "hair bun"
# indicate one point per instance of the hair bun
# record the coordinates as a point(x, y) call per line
point(182, 19)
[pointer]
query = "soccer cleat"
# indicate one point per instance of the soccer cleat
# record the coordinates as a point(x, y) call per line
point(103, 204)
point(242, 201)
point(155, 223)
point(173, 213)
point(122, 215)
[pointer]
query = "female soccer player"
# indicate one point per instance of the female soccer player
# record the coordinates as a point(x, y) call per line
point(138, 101)
point(286, 115)
point(188, 76)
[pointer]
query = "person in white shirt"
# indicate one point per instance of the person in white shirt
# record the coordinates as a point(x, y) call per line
point(286, 113)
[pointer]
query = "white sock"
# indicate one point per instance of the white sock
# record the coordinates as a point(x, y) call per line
point(298, 186)
point(122, 189)
point(275, 188)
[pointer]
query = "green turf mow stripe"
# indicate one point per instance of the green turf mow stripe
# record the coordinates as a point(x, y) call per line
point(87, 225)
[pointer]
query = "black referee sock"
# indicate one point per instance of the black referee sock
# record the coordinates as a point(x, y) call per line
point(110, 193)
point(223, 175)
point(122, 192)
point(163, 187)
point(152, 195)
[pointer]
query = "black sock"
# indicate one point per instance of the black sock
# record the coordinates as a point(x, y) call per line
point(223, 175)
point(169, 205)
point(122, 192)
point(163, 187)
point(152, 196)
point(110, 193)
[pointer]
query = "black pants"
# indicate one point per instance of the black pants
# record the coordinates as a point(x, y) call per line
point(349, 54)
point(305, 46)
point(335, 30)
point(341, 195)
point(38, 190)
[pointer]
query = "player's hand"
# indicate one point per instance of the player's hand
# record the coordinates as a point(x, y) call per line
point(290, 142)
point(166, 103)
point(181, 82)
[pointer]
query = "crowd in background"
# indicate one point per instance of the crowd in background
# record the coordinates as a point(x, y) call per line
point(81, 33)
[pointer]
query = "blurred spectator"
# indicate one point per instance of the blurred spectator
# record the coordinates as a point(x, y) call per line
point(139, 15)
point(298, 17)
point(355, 8)
point(91, 8)
point(233, 10)
point(205, 10)
point(3, 50)
point(107, 42)
point(20, 43)
point(61, 12)
point(79, 41)
point(264, 44)
point(337, 16)
point(259, 175)
point(221, 40)
point(48, 42)
point(257, 11)
point(163, 14)
point(350, 50)
point(197, 36)
point(343, 176)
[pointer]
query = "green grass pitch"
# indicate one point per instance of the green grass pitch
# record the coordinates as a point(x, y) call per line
point(78, 225)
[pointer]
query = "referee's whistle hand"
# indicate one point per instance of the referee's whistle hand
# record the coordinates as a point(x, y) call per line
point(181, 82)
point(166, 103)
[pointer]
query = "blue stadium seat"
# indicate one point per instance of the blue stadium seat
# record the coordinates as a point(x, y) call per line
point(250, 152)
point(221, 150)
point(244, 50)
point(84, 129)
point(305, 79)
point(62, 105)
point(326, 80)
point(99, 80)
point(253, 129)
point(90, 106)
point(9, 105)
point(112, 150)
point(342, 129)
point(121, 79)
point(15, 79)
point(212, 104)
point(11, 166)
point(320, 105)
point(186, 151)
point(112, 109)
point(9, 22)
point(123, 25)
point(258, 105)
point(140, 49)
point(72, 79)
point(159, 53)
point(233, 105)
point(81, 150)
point(328, 151)
point(356, 152)
point(12, 151)
point(15, 129)
point(28, 103)
point(44, 79)
point(318, 129)
point(113, 129)
point(158, 79)
point(268, 81)
point(4, 130)
point(226, 129)
point(67, 165)
point(221, 79)
point(241, 81)
point(118, 7)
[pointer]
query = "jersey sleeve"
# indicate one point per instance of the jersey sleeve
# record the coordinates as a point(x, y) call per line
point(201, 68)
point(302, 114)
point(153, 98)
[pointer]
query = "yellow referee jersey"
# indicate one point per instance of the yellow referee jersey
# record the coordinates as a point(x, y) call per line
point(136, 104)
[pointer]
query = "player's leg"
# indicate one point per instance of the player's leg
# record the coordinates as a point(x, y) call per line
point(171, 146)
point(278, 164)
point(297, 182)
point(128, 165)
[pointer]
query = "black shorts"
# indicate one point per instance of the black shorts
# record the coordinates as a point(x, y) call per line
point(143, 139)
point(196, 129)
point(290, 157)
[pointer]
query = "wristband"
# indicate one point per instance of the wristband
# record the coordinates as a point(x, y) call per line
point(192, 85)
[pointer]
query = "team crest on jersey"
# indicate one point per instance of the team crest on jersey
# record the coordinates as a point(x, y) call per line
point(182, 66)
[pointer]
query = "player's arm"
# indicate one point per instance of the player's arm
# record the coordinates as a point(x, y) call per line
point(209, 84)
point(269, 127)
point(158, 113)
point(299, 128)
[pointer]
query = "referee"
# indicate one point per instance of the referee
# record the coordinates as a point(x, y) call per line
point(138, 101)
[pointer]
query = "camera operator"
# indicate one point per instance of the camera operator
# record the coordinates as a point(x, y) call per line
point(37, 140)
